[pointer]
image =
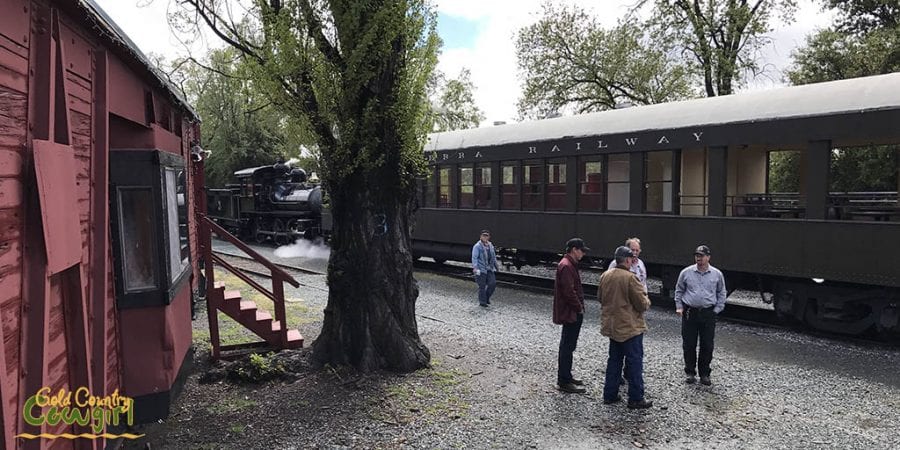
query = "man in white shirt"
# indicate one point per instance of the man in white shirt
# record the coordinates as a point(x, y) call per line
point(637, 268)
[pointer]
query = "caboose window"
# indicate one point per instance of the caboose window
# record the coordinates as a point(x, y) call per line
point(533, 181)
point(590, 184)
point(444, 198)
point(138, 231)
point(483, 186)
point(149, 226)
point(466, 187)
point(618, 185)
point(658, 182)
point(556, 185)
point(509, 189)
point(176, 223)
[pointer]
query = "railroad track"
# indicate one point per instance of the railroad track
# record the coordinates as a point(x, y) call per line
point(740, 314)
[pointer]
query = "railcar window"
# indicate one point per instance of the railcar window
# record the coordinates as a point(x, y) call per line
point(590, 184)
point(509, 189)
point(693, 189)
point(556, 185)
point(533, 180)
point(445, 200)
point(863, 183)
point(618, 183)
point(430, 192)
point(466, 187)
point(658, 182)
point(483, 186)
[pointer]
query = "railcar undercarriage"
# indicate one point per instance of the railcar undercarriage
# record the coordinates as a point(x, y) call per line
point(832, 307)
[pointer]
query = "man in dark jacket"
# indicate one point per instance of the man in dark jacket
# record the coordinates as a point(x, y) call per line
point(568, 311)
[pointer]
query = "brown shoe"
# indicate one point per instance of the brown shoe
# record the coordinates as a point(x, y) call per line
point(571, 388)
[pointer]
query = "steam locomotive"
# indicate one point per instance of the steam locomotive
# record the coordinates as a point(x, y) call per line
point(278, 203)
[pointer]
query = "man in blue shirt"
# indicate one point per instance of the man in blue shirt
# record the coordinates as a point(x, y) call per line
point(485, 266)
point(699, 297)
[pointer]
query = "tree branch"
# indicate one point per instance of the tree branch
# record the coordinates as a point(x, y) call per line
point(314, 30)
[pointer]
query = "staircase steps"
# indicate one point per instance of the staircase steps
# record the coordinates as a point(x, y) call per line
point(248, 314)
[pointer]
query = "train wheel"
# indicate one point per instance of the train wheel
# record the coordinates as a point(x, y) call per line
point(281, 232)
point(260, 238)
point(784, 306)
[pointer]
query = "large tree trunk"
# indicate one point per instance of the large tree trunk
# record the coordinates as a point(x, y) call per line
point(370, 320)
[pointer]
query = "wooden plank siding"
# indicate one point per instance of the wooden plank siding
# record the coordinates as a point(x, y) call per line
point(13, 113)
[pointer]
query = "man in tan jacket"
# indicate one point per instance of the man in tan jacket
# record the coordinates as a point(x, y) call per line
point(623, 302)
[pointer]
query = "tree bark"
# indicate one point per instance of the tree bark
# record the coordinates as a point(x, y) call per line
point(370, 320)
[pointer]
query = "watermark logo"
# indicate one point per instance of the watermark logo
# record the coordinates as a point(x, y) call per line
point(78, 407)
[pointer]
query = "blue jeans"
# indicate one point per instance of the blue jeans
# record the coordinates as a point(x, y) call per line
point(631, 353)
point(487, 281)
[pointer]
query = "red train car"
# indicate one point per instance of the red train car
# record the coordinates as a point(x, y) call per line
point(98, 241)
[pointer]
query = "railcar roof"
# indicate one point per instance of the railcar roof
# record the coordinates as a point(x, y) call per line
point(821, 99)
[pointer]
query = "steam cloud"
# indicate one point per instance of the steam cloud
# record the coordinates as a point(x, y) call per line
point(304, 249)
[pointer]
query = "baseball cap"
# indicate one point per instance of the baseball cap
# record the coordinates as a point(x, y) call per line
point(624, 252)
point(576, 243)
point(702, 250)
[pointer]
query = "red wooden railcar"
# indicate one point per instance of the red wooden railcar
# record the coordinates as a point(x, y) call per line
point(98, 242)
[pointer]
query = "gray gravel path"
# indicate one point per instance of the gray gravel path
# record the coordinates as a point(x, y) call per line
point(771, 389)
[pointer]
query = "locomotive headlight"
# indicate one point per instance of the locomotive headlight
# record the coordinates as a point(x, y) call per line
point(819, 280)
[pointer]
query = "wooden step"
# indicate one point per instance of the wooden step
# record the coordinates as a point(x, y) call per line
point(219, 285)
point(295, 339)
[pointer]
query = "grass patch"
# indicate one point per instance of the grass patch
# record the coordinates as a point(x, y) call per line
point(231, 405)
point(428, 396)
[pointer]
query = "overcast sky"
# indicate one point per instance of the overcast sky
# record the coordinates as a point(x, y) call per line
point(477, 34)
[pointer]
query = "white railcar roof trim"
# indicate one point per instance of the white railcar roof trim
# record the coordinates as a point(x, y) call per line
point(820, 99)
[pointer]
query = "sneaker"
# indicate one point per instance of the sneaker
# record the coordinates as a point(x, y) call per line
point(705, 381)
point(690, 379)
point(571, 388)
point(577, 382)
point(643, 404)
point(483, 305)
point(615, 400)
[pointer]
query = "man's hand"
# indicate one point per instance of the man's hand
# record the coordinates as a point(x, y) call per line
point(477, 272)
point(679, 312)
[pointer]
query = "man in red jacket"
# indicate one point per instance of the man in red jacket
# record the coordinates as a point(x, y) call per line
point(568, 311)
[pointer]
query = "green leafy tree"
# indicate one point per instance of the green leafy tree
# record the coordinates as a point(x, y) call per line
point(569, 62)
point(241, 126)
point(454, 107)
point(353, 73)
point(863, 41)
point(720, 38)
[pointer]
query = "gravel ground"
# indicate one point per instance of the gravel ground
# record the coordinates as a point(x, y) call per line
point(492, 386)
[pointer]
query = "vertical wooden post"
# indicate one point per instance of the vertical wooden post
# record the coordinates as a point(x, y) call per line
point(278, 290)
point(818, 162)
point(35, 289)
point(99, 224)
point(636, 182)
point(718, 180)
